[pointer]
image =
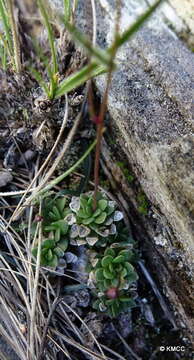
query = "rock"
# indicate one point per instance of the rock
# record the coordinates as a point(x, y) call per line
point(150, 103)
point(83, 298)
point(5, 178)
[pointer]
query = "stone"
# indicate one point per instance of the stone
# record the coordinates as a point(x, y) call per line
point(5, 178)
point(150, 105)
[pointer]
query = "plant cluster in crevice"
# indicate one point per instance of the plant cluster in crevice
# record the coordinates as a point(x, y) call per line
point(72, 221)
point(113, 275)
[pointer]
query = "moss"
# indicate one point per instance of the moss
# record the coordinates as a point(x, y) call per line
point(125, 170)
point(142, 203)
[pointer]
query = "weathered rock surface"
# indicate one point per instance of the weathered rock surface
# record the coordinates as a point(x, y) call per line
point(151, 107)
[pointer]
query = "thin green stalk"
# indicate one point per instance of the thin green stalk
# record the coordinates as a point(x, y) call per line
point(100, 123)
point(3, 53)
point(5, 22)
point(54, 71)
point(122, 39)
point(16, 46)
point(50, 35)
point(67, 10)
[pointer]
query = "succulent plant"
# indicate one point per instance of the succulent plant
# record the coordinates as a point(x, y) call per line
point(113, 275)
point(51, 251)
point(54, 216)
point(55, 226)
point(93, 225)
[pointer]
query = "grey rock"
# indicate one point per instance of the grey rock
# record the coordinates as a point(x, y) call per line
point(125, 326)
point(150, 103)
point(5, 178)
point(83, 298)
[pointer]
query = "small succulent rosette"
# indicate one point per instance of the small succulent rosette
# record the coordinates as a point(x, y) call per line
point(51, 251)
point(55, 232)
point(89, 226)
point(113, 276)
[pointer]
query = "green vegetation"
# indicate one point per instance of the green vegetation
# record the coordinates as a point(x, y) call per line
point(54, 229)
point(102, 59)
point(125, 170)
point(142, 203)
point(74, 221)
point(113, 276)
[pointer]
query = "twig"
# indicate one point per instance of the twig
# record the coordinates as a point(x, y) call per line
point(56, 302)
point(100, 118)
point(157, 293)
point(131, 352)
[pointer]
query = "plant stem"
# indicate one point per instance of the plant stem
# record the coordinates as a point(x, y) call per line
point(16, 46)
point(100, 125)
point(4, 19)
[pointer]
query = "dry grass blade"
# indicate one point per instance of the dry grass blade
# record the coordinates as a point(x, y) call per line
point(129, 350)
point(87, 328)
point(79, 347)
point(34, 296)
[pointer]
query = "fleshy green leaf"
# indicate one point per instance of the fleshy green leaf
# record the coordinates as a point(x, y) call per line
point(101, 218)
point(99, 274)
point(107, 274)
point(126, 253)
point(102, 204)
point(107, 283)
point(119, 259)
point(132, 277)
point(49, 255)
point(88, 211)
point(63, 244)
point(124, 272)
point(82, 214)
point(110, 267)
point(129, 267)
point(48, 244)
point(53, 262)
point(88, 221)
point(58, 251)
point(110, 252)
point(60, 202)
point(115, 282)
point(56, 212)
point(57, 234)
point(110, 210)
point(96, 213)
point(83, 202)
point(106, 260)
